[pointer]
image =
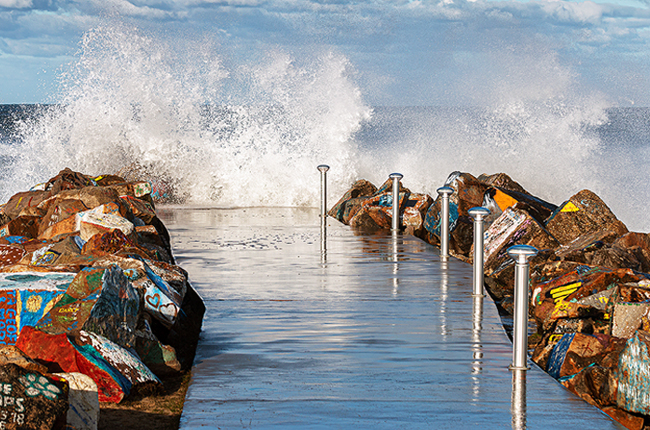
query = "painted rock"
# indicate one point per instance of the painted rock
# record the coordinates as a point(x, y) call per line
point(634, 375)
point(83, 412)
point(31, 400)
point(161, 359)
point(139, 208)
point(351, 201)
point(114, 369)
point(11, 354)
point(91, 224)
point(11, 254)
point(582, 213)
point(628, 420)
point(25, 298)
point(59, 210)
point(513, 227)
point(468, 193)
point(18, 202)
point(98, 300)
point(503, 198)
point(594, 384)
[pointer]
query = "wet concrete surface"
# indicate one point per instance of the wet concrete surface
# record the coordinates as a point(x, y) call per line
point(374, 333)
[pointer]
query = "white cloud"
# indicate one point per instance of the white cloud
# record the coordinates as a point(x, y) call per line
point(16, 4)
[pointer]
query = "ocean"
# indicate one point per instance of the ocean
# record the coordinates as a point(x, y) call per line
point(244, 135)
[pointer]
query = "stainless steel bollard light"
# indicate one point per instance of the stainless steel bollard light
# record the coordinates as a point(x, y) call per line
point(521, 254)
point(478, 214)
point(444, 192)
point(396, 178)
point(323, 168)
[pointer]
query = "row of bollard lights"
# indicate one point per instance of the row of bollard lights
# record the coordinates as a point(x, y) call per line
point(519, 253)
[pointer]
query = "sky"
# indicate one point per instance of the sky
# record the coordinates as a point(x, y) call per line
point(400, 52)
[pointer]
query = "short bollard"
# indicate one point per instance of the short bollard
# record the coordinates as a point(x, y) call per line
point(323, 168)
point(396, 178)
point(444, 192)
point(521, 254)
point(478, 214)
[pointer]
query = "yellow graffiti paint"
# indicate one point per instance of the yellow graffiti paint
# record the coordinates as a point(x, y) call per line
point(560, 293)
point(503, 200)
point(555, 337)
point(570, 207)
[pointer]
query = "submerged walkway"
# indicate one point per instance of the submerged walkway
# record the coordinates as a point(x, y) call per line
point(376, 333)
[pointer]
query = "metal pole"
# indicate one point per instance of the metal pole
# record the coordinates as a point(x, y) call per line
point(478, 213)
point(444, 192)
point(395, 221)
point(521, 254)
point(518, 400)
point(323, 168)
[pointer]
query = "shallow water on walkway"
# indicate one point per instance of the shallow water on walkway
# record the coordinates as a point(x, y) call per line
point(357, 332)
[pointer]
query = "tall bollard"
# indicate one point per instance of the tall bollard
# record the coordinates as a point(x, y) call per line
point(478, 214)
point(521, 254)
point(444, 192)
point(323, 168)
point(396, 178)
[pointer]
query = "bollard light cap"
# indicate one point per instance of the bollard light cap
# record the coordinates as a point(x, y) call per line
point(445, 191)
point(395, 176)
point(323, 167)
point(478, 212)
point(521, 253)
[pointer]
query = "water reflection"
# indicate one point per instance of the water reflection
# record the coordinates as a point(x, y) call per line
point(323, 241)
point(518, 400)
point(444, 296)
point(395, 264)
point(477, 348)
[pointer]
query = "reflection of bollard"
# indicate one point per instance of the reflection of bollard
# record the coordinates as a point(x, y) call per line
point(521, 254)
point(478, 214)
point(396, 178)
point(323, 168)
point(444, 192)
point(518, 400)
point(323, 212)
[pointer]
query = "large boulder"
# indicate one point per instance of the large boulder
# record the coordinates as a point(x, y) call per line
point(583, 213)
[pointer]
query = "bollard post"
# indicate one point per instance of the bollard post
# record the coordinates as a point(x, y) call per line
point(478, 213)
point(395, 221)
point(521, 254)
point(444, 193)
point(323, 168)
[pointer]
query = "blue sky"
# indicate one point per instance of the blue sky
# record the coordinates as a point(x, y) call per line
point(401, 52)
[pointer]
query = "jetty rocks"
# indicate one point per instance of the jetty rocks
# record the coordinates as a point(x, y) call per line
point(92, 305)
point(589, 283)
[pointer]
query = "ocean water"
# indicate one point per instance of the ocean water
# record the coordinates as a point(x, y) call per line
point(243, 134)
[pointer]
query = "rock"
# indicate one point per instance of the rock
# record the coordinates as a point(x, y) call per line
point(628, 420)
point(112, 367)
point(183, 336)
point(634, 375)
point(468, 193)
point(100, 301)
point(161, 359)
point(594, 384)
point(628, 318)
point(513, 227)
point(415, 212)
point(11, 354)
point(21, 201)
point(501, 180)
point(11, 254)
point(23, 225)
point(376, 212)
point(91, 224)
point(583, 213)
point(67, 179)
point(59, 210)
point(504, 198)
point(31, 400)
point(83, 412)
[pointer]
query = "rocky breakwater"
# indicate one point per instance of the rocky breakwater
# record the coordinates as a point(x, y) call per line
point(92, 307)
point(590, 282)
